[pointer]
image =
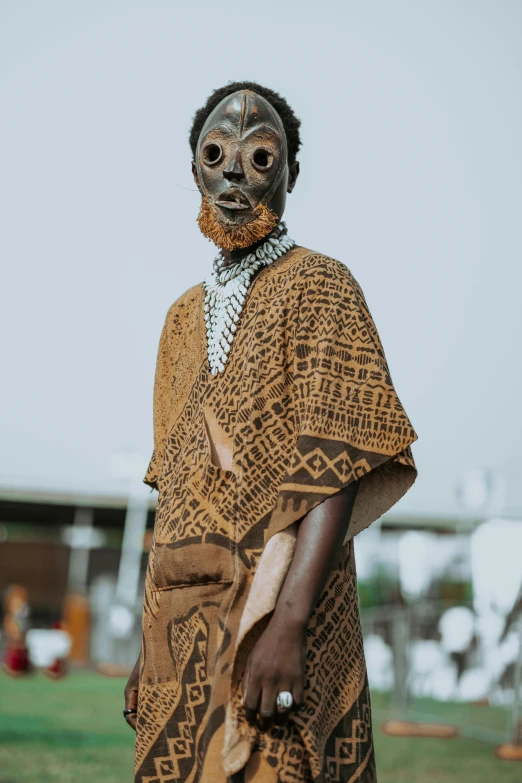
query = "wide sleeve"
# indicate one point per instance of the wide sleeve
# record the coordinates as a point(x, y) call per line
point(350, 423)
point(162, 404)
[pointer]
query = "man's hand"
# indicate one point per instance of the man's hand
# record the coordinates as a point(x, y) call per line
point(131, 695)
point(276, 664)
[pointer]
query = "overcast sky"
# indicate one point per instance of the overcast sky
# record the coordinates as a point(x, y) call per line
point(411, 174)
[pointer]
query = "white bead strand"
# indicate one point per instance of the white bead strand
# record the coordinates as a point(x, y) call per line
point(226, 290)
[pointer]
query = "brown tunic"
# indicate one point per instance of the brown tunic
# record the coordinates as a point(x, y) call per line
point(304, 406)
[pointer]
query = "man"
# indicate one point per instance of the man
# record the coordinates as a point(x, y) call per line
point(278, 437)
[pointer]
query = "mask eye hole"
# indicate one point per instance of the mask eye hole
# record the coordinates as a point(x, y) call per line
point(262, 159)
point(212, 153)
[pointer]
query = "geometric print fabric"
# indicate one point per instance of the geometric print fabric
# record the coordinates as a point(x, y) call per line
point(307, 401)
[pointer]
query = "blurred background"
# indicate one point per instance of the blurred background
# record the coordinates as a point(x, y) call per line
point(411, 123)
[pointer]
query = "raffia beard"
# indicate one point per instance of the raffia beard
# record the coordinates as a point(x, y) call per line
point(231, 237)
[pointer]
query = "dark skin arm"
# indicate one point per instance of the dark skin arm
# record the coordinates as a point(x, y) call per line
point(277, 660)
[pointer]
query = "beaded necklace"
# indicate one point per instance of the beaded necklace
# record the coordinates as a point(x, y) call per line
point(226, 290)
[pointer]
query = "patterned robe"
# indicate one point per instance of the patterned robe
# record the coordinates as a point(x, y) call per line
point(306, 405)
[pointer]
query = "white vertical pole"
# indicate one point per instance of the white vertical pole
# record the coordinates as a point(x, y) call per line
point(79, 555)
point(132, 546)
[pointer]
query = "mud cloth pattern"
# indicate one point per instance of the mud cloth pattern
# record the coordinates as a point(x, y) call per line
point(308, 405)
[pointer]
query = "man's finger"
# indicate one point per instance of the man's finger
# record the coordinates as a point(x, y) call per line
point(131, 699)
point(268, 705)
point(251, 697)
point(281, 716)
point(298, 694)
point(131, 720)
point(131, 703)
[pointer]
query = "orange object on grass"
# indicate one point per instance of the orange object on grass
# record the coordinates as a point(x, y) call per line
point(402, 728)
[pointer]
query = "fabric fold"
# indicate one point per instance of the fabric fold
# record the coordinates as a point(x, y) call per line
point(262, 597)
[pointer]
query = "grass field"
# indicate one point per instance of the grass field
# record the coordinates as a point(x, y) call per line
point(73, 731)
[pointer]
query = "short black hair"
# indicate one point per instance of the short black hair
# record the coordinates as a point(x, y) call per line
point(290, 122)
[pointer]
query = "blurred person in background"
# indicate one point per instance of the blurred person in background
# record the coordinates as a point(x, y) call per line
point(16, 661)
point(278, 435)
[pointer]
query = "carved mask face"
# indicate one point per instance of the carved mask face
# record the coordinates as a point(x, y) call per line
point(242, 169)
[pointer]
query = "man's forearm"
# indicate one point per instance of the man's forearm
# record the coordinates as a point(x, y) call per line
point(321, 534)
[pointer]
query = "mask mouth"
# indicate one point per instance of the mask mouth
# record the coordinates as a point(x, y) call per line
point(233, 199)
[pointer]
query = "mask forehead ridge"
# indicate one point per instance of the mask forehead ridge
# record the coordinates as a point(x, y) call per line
point(244, 110)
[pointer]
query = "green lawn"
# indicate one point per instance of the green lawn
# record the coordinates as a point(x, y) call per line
point(72, 731)
point(459, 760)
point(68, 731)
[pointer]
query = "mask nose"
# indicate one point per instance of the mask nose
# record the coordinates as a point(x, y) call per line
point(234, 171)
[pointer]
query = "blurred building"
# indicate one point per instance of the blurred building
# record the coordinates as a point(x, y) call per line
point(52, 542)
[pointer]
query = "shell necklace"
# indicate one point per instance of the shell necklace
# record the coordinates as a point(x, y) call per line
point(226, 290)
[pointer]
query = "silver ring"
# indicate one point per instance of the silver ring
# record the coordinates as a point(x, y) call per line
point(285, 701)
